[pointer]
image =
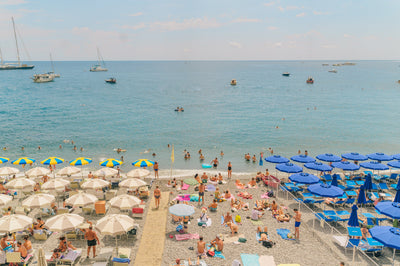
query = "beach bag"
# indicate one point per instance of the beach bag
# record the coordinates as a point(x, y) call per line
point(179, 228)
point(238, 219)
point(242, 240)
point(267, 244)
point(211, 253)
point(270, 193)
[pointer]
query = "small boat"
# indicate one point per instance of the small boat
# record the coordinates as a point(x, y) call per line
point(233, 82)
point(325, 64)
point(310, 80)
point(43, 78)
point(348, 64)
point(332, 70)
point(336, 65)
point(98, 67)
point(111, 80)
point(286, 74)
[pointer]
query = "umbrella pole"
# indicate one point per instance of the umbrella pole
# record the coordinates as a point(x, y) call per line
point(116, 244)
point(394, 252)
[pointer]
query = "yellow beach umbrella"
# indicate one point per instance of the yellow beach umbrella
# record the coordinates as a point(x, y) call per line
point(23, 161)
point(110, 162)
point(52, 161)
point(4, 159)
point(142, 163)
point(80, 161)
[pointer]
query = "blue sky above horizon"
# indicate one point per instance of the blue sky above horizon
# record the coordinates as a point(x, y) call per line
point(203, 30)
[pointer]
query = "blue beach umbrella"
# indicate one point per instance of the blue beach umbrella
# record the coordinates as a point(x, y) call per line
point(334, 180)
point(304, 178)
point(374, 166)
point(181, 210)
point(398, 185)
point(396, 156)
point(80, 161)
point(329, 157)
point(368, 182)
point(302, 158)
point(289, 168)
point(353, 220)
point(380, 156)
point(354, 156)
point(397, 197)
point(394, 164)
point(318, 166)
point(143, 163)
point(389, 208)
point(325, 190)
point(361, 196)
point(4, 159)
point(346, 166)
point(388, 236)
point(276, 159)
point(23, 161)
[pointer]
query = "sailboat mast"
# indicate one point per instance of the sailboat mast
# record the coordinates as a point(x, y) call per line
point(52, 65)
point(1, 57)
point(16, 40)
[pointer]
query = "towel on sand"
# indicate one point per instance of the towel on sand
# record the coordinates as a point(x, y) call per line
point(185, 187)
point(256, 222)
point(210, 188)
point(208, 223)
point(202, 262)
point(191, 181)
point(258, 236)
point(284, 233)
point(186, 237)
point(222, 221)
point(265, 195)
point(241, 186)
point(250, 259)
point(267, 260)
point(228, 238)
point(218, 254)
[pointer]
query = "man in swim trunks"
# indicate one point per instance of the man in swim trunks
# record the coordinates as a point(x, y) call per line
point(215, 162)
point(297, 218)
point(202, 189)
point(92, 241)
point(218, 244)
point(155, 168)
point(157, 196)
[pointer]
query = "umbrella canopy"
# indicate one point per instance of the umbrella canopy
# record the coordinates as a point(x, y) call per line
point(14, 223)
point(81, 199)
point(110, 162)
point(37, 171)
point(346, 166)
point(368, 182)
point(4, 159)
point(69, 170)
point(387, 235)
point(361, 196)
point(55, 184)
point(396, 156)
point(105, 172)
point(380, 156)
point(80, 161)
point(64, 222)
point(334, 180)
point(374, 166)
point(124, 202)
point(289, 168)
point(5, 199)
point(276, 159)
point(354, 156)
point(304, 178)
point(398, 185)
point(52, 161)
point(318, 166)
point(23, 160)
point(20, 183)
point(138, 173)
point(324, 190)
point(329, 157)
point(95, 184)
point(353, 220)
point(38, 201)
point(395, 164)
point(397, 196)
point(132, 183)
point(181, 210)
point(142, 163)
point(388, 208)
point(41, 258)
point(302, 158)
point(8, 171)
point(115, 224)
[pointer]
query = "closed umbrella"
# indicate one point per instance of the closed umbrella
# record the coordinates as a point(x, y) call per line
point(55, 184)
point(181, 210)
point(361, 196)
point(38, 201)
point(397, 196)
point(302, 158)
point(374, 166)
point(20, 183)
point(346, 166)
point(388, 236)
point(142, 163)
point(276, 159)
point(261, 161)
point(354, 156)
point(105, 172)
point(64, 222)
point(4, 159)
point(138, 173)
point(388, 208)
point(368, 182)
point(95, 184)
point(335, 180)
point(329, 157)
point(379, 156)
point(37, 172)
point(124, 202)
point(110, 162)
point(14, 223)
point(68, 171)
point(81, 199)
point(5, 199)
point(353, 220)
point(132, 183)
point(398, 185)
point(318, 166)
point(41, 258)
point(325, 190)
point(6, 171)
point(304, 178)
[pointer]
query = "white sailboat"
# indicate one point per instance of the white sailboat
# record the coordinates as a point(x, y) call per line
point(19, 64)
point(52, 68)
point(43, 78)
point(98, 67)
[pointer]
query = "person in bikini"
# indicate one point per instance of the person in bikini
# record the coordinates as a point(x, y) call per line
point(157, 196)
point(229, 170)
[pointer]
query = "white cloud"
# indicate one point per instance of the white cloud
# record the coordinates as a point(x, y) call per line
point(235, 44)
point(318, 13)
point(301, 15)
point(269, 4)
point(272, 28)
point(246, 20)
point(12, 2)
point(328, 46)
point(347, 35)
point(135, 27)
point(292, 7)
point(136, 14)
point(278, 44)
point(193, 23)
point(281, 8)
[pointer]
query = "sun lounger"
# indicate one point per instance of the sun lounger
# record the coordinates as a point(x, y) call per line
point(393, 176)
point(123, 257)
point(383, 186)
point(346, 242)
point(71, 257)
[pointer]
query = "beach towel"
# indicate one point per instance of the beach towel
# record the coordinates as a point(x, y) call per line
point(256, 222)
point(228, 238)
point(218, 254)
point(258, 236)
point(250, 259)
point(265, 195)
point(241, 186)
point(202, 262)
point(194, 198)
point(185, 197)
point(284, 233)
point(210, 188)
point(191, 181)
point(267, 260)
point(208, 223)
point(222, 221)
point(186, 237)
point(245, 196)
point(185, 187)
point(232, 197)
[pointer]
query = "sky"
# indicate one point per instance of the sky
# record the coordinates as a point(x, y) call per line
point(202, 30)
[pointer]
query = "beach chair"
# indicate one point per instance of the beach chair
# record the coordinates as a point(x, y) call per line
point(327, 177)
point(124, 253)
point(346, 242)
point(371, 246)
point(383, 186)
point(393, 177)
point(374, 186)
point(40, 236)
point(71, 257)
point(350, 185)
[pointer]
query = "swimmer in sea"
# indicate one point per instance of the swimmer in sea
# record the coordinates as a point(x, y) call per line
point(215, 162)
point(222, 153)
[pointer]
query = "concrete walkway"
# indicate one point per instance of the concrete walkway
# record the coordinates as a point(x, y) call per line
point(151, 247)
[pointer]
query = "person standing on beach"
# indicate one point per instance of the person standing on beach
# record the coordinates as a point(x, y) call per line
point(202, 188)
point(92, 241)
point(297, 219)
point(155, 168)
point(157, 197)
point(215, 162)
point(201, 247)
point(229, 170)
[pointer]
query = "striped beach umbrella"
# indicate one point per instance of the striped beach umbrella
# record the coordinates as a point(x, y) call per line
point(110, 162)
point(23, 161)
point(142, 163)
point(4, 159)
point(80, 161)
point(52, 161)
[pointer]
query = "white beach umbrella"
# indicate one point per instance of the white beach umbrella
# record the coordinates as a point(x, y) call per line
point(14, 223)
point(81, 199)
point(55, 184)
point(124, 202)
point(95, 184)
point(105, 172)
point(115, 224)
point(8, 171)
point(37, 171)
point(41, 258)
point(64, 222)
point(20, 183)
point(5, 199)
point(132, 183)
point(69, 170)
point(138, 173)
point(38, 201)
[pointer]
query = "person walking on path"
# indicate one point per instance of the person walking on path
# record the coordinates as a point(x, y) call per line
point(297, 219)
point(92, 241)
point(157, 196)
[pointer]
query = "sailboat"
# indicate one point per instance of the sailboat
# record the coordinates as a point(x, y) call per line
point(98, 67)
point(52, 68)
point(46, 77)
point(19, 64)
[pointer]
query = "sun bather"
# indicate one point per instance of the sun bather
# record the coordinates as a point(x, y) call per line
point(213, 206)
point(281, 216)
point(214, 178)
point(227, 194)
point(227, 218)
point(234, 227)
point(263, 233)
point(252, 183)
point(218, 244)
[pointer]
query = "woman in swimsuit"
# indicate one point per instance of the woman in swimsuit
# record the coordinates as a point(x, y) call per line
point(229, 170)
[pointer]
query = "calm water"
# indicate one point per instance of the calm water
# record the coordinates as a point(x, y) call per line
point(353, 110)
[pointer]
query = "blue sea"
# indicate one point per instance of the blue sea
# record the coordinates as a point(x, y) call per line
point(355, 109)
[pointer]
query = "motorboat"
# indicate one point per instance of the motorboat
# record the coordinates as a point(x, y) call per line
point(286, 74)
point(233, 82)
point(332, 70)
point(111, 80)
point(43, 78)
point(310, 80)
